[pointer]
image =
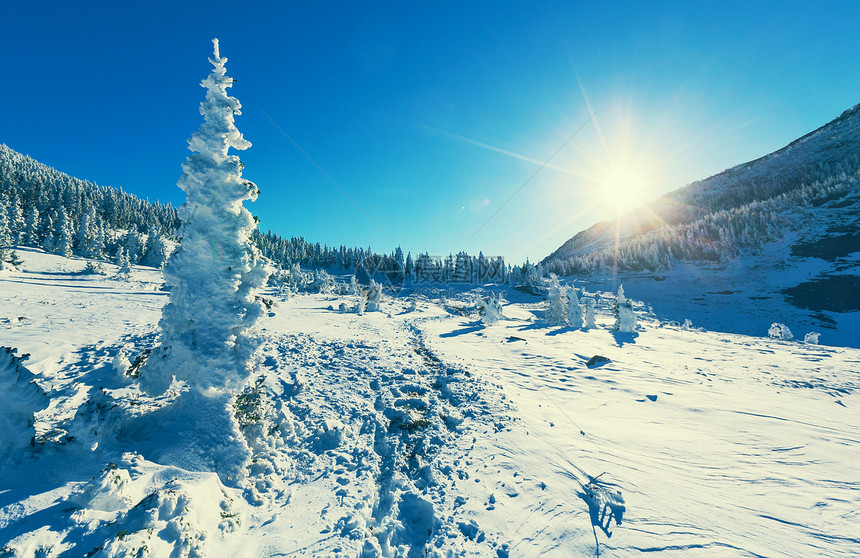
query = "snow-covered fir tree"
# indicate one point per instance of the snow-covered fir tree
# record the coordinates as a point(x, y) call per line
point(213, 275)
point(31, 227)
point(590, 322)
point(121, 260)
point(5, 241)
point(15, 217)
point(625, 316)
point(556, 303)
point(131, 242)
point(374, 296)
point(155, 251)
point(65, 237)
point(216, 269)
point(574, 309)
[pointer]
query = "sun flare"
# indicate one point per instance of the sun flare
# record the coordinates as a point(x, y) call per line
point(623, 188)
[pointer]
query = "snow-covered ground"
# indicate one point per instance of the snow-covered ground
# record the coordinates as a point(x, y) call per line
point(424, 432)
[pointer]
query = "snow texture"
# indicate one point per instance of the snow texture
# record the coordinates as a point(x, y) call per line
point(425, 433)
point(22, 398)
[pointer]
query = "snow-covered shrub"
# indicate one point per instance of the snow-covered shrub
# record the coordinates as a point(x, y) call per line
point(489, 308)
point(322, 283)
point(22, 398)
point(374, 296)
point(779, 331)
point(811, 338)
point(120, 362)
point(625, 316)
point(574, 309)
point(93, 268)
point(556, 303)
point(122, 262)
point(360, 303)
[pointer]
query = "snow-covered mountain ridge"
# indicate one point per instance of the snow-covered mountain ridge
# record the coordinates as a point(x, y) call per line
point(830, 151)
point(776, 239)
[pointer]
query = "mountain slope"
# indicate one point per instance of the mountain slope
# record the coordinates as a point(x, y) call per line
point(827, 152)
point(776, 238)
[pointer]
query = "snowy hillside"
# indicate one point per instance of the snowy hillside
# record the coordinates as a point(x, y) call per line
point(775, 239)
point(418, 430)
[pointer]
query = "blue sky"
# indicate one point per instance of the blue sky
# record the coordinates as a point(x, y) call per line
point(428, 116)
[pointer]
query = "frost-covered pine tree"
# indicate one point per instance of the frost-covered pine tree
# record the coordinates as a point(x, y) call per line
point(5, 240)
point(590, 322)
point(156, 251)
point(98, 248)
point(132, 244)
point(374, 296)
point(85, 234)
point(48, 239)
point(16, 220)
point(214, 272)
point(574, 309)
point(64, 238)
point(31, 227)
point(625, 317)
point(122, 262)
point(556, 303)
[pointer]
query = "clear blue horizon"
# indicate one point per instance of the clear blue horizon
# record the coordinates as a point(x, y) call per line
point(419, 121)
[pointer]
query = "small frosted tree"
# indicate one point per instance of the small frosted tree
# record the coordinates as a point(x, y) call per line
point(31, 227)
point(590, 322)
point(574, 309)
point(212, 276)
point(64, 240)
point(5, 238)
point(556, 303)
point(121, 260)
point(374, 296)
point(625, 317)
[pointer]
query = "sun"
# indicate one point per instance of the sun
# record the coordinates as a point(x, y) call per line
point(622, 188)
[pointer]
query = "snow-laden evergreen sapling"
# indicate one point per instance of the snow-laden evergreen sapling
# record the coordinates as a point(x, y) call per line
point(65, 237)
point(121, 261)
point(489, 308)
point(556, 303)
point(374, 296)
point(205, 339)
point(590, 322)
point(574, 309)
point(625, 317)
point(22, 398)
point(5, 239)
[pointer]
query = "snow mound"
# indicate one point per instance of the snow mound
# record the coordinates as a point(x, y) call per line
point(22, 398)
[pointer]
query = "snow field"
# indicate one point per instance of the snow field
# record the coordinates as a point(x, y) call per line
point(420, 430)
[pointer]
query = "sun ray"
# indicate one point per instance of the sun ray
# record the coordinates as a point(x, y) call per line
point(509, 153)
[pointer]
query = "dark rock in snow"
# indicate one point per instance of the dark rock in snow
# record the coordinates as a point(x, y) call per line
point(596, 361)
